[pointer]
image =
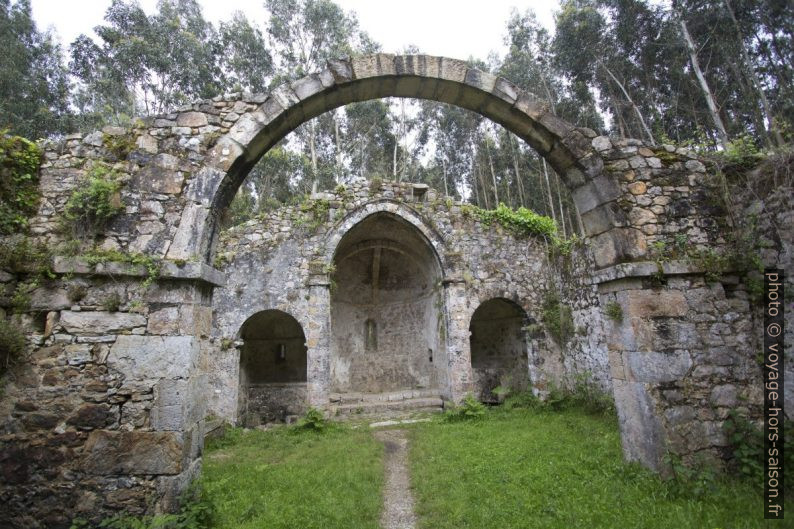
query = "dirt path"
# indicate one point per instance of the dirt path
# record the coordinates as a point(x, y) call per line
point(398, 504)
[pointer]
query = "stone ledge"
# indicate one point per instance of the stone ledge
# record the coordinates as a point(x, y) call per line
point(169, 270)
point(643, 269)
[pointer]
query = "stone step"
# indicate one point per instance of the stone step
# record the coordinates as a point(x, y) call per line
point(379, 407)
point(405, 394)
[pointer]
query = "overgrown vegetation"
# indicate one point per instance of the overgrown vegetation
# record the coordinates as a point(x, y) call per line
point(19, 179)
point(94, 202)
point(31, 262)
point(614, 311)
point(557, 317)
point(120, 145)
point(520, 222)
point(12, 344)
point(314, 213)
point(313, 419)
point(151, 264)
point(746, 442)
point(469, 410)
point(584, 394)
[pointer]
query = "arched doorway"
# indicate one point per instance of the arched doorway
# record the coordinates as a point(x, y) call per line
point(272, 368)
point(499, 353)
point(386, 309)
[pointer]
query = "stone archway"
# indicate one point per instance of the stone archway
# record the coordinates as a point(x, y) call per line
point(499, 355)
point(568, 149)
point(386, 306)
point(272, 368)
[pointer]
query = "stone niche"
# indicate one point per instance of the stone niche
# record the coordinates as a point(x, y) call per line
point(499, 353)
point(386, 309)
point(272, 368)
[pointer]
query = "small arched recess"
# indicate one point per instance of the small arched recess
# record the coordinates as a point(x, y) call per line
point(499, 349)
point(272, 368)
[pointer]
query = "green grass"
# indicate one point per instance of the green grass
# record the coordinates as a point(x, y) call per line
point(542, 469)
point(287, 479)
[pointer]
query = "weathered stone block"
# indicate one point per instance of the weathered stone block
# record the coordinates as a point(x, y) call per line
point(188, 239)
point(133, 453)
point(599, 190)
point(99, 322)
point(376, 65)
point(154, 357)
point(655, 303)
point(641, 432)
point(191, 119)
point(657, 367)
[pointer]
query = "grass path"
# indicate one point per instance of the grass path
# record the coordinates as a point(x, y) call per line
point(398, 503)
point(514, 469)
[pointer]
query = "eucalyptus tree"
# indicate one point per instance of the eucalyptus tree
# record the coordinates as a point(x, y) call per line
point(245, 59)
point(145, 65)
point(303, 35)
point(33, 81)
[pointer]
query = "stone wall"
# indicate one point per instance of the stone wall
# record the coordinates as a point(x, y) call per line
point(106, 410)
point(276, 261)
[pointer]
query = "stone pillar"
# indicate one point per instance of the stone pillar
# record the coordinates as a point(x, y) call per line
point(318, 342)
point(457, 340)
point(679, 359)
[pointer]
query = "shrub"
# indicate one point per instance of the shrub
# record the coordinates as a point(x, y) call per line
point(557, 318)
point(313, 419)
point(746, 442)
point(469, 410)
point(19, 180)
point(119, 145)
point(95, 201)
point(76, 293)
point(12, 344)
point(522, 400)
point(374, 184)
point(687, 481)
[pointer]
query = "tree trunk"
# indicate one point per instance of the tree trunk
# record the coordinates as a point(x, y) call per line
point(481, 178)
point(548, 187)
point(519, 183)
point(444, 174)
point(748, 66)
point(338, 149)
point(562, 211)
point(313, 149)
point(493, 174)
point(704, 86)
point(631, 102)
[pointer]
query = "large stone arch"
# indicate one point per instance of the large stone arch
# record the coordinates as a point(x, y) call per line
point(181, 169)
point(568, 149)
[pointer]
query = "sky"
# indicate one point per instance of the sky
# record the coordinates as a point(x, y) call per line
point(452, 28)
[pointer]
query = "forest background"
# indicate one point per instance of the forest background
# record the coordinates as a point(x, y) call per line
point(717, 75)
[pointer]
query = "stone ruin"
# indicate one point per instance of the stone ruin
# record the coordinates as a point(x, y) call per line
point(384, 297)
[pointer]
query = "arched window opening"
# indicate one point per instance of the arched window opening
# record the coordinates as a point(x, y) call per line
point(498, 349)
point(272, 368)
